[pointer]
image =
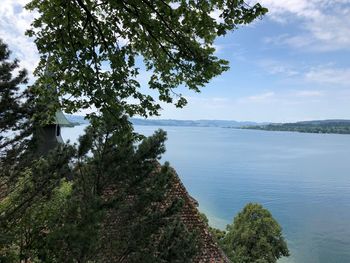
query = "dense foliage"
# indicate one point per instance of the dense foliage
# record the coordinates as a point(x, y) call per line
point(56, 208)
point(254, 236)
point(49, 218)
point(10, 97)
point(98, 48)
point(70, 204)
point(216, 233)
point(332, 126)
point(14, 106)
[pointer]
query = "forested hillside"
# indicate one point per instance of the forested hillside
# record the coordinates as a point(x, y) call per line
point(322, 126)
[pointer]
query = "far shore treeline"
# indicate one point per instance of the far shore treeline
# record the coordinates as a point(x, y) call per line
point(316, 126)
point(322, 126)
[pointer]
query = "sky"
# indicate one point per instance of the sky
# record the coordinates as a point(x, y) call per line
point(291, 65)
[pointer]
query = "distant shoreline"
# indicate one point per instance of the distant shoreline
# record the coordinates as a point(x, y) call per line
point(178, 123)
point(319, 127)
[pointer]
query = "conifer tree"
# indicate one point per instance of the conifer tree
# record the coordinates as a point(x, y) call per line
point(14, 110)
point(54, 208)
point(11, 108)
point(57, 208)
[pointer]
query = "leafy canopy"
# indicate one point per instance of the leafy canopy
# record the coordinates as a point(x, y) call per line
point(93, 51)
point(97, 48)
point(53, 208)
point(254, 236)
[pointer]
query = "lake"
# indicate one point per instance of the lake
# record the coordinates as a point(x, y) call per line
point(303, 179)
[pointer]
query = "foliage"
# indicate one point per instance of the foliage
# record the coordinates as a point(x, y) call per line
point(138, 185)
point(24, 236)
point(254, 236)
point(218, 234)
point(14, 108)
point(331, 126)
point(96, 49)
point(11, 108)
point(58, 207)
point(33, 204)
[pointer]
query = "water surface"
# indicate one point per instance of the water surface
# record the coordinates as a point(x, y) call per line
point(303, 179)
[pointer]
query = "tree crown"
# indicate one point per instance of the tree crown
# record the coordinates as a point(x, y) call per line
point(254, 236)
point(97, 48)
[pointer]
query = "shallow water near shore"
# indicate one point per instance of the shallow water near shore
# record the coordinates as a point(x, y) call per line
point(303, 179)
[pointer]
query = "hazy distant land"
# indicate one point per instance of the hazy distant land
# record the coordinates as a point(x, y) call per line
point(319, 126)
point(169, 122)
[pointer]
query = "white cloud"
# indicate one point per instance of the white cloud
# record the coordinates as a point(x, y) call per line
point(264, 97)
point(328, 75)
point(276, 67)
point(14, 21)
point(199, 107)
point(301, 8)
point(325, 24)
point(309, 93)
point(287, 97)
point(274, 106)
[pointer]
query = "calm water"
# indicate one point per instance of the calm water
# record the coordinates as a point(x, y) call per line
point(303, 179)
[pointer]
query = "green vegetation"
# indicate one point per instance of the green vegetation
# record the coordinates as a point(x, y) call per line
point(97, 49)
point(253, 237)
point(53, 208)
point(15, 106)
point(190, 123)
point(58, 207)
point(327, 126)
point(215, 232)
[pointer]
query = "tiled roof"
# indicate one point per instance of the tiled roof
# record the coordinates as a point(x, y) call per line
point(208, 252)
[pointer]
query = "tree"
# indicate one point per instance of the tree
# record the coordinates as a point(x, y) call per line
point(55, 207)
point(14, 109)
point(97, 49)
point(254, 236)
point(11, 108)
point(218, 234)
point(94, 51)
point(138, 185)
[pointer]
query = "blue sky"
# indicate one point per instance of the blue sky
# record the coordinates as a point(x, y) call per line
point(294, 64)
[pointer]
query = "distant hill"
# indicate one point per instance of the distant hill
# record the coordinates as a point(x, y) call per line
point(191, 123)
point(169, 122)
point(316, 126)
point(325, 122)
